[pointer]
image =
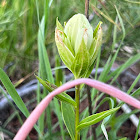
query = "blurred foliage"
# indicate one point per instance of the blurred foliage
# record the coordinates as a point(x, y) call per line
point(19, 27)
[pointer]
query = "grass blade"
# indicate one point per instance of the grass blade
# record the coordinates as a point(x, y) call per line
point(13, 93)
point(137, 132)
point(133, 84)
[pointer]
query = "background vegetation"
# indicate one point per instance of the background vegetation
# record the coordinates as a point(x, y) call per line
point(27, 45)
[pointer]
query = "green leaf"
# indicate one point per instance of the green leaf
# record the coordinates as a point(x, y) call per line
point(45, 72)
point(68, 44)
point(65, 38)
point(64, 51)
point(125, 138)
point(58, 25)
point(105, 120)
point(96, 44)
point(136, 92)
point(134, 83)
point(69, 118)
point(95, 33)
point(81, 61)
point(93, 119)
point(90, 69)
point(95, 48)
point(16, 98)
point(65, 54)
point(44, 65)
point(121, 22)
point(137, 131)
point(59, 115)
point(103, 126)
point(13, 93)
point(62, 97)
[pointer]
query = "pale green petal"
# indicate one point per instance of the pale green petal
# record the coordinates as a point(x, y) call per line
point(68, 44)
point(63, 50)
point(76, 28)
point(97, 47)
point(65, 39)
point(81, 61)
point(95, 33)
point(92, 48)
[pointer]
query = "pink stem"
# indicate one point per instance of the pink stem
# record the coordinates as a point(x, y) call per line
point(34, 116)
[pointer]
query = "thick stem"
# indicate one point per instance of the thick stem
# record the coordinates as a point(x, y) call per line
point(77, 100)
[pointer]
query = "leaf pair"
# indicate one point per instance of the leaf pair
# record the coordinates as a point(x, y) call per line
point(62, 97)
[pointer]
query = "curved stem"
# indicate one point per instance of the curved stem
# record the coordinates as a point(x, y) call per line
point(77, 100)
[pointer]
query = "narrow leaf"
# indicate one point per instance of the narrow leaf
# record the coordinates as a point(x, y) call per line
point(124, 66)
point(62, 97)
point(13, 93)
point(69, 118)
point(93, 119)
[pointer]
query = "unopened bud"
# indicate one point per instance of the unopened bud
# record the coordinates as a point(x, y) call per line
point(78, 45)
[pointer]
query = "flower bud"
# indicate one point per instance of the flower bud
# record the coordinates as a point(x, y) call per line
point(78, 45)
